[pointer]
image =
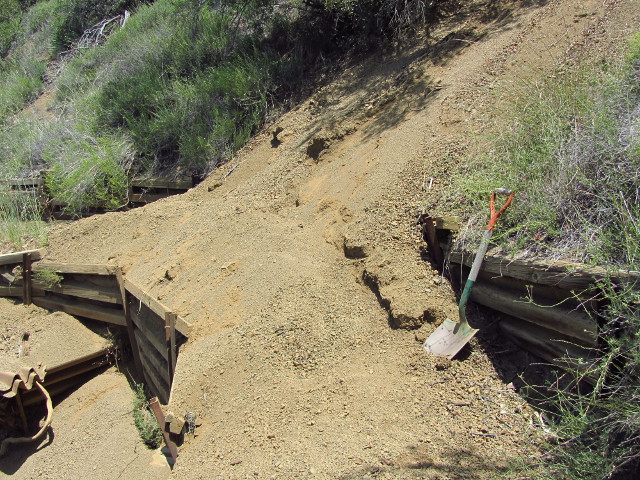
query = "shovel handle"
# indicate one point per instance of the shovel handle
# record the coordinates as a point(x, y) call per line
point(492, 205)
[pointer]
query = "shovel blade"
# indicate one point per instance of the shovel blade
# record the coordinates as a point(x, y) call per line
point(449, 338)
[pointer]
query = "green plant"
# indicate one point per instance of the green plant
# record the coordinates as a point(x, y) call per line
point(573, 158)
point(50, 278)
point(20, 83)
point(574, 161)
point(144, 420)
point(87, 171)
point(10, 15)
point(21, 223)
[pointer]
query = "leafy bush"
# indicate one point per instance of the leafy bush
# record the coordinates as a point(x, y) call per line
point(20, 83)
point(88, 171)
point(73, 17)
point(183, 84)
point(574, 160)
point(144, 420)
point(10, 14)
point(21, 222)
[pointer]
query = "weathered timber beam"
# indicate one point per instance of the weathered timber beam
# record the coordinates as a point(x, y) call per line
point(154, 359)
point(157, 411)
point(155, 336)
point(16, 258)
point(147, 197)
point(177, 184)
point(82, 290)
point(570, 276)
point(86, 310)
point(89, 269)
point(23, 182)
point(550, 346)
point(11, 291)
point(575, 324)
point(158, 308)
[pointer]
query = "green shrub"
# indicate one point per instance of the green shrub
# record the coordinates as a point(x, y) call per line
point(50, 278)
point(144, 420)
point(88, 171)
point(20, 84)
point(21, 224)
point(73, 17)
point(10, 15)
point(574, 161)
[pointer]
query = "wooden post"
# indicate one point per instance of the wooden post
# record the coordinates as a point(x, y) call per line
point(26, 278)
point(170, 336)
point(430, 236)
point(130, 327)
point(157, 411)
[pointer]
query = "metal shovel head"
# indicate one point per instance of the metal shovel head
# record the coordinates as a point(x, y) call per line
point(449, 338)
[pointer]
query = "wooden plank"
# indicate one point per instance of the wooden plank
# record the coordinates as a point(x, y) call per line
point(147, 197)
point(150, 357)
point(171, 445)
point(108, 282)
point(8, 278)
point(23, 182)
point(83, 291)
point(430, 236)
point(135, 350)
point(570, 322)
point(158, 308)
point(155, 182)
point(26, 278)
point(11, 291)
point(90, 269)
point(448, 223)
point(158, 382)
point(550, 346)
point(570, 276)
point(170, 338)
point(154, 335)
point(86, 310)
point(16, 258)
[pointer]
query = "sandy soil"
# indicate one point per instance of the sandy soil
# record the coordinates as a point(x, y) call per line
point(297, 262)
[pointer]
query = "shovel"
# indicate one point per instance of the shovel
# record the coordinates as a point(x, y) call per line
point(450, 337)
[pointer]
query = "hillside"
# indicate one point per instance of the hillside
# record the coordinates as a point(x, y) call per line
point(298, 263)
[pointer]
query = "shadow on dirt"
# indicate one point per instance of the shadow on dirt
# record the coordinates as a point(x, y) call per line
point(17, 454)
point(420, 462)
point(393, 85)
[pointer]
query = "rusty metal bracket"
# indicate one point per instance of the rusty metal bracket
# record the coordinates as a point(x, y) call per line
point(157, 411)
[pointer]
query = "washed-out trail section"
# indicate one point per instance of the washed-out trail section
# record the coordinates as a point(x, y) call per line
point(296, 268)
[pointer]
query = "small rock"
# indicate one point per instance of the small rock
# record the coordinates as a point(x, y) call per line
point(442, 364)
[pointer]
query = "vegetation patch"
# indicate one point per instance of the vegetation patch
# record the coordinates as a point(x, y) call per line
point(573, 158)
point(144, 419)
point(178, 86)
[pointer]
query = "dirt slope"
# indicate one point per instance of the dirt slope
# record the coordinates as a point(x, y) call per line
point(295, 258)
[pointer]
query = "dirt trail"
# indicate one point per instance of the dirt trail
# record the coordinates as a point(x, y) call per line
point(293, 260)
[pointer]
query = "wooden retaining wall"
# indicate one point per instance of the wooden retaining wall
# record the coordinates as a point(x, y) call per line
point(142, 190)
point(551, 309)
point(102, 293)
